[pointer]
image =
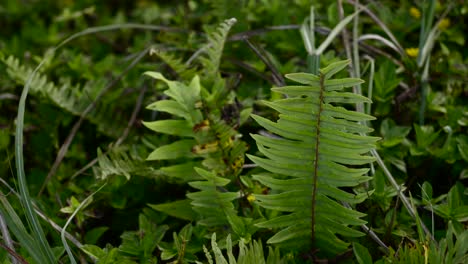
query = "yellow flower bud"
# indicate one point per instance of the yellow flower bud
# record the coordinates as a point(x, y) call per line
point(251, 198)
point(444, 24)
point(412, 52)
point(414, 12)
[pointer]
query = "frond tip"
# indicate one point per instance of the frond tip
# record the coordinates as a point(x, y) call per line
point(310, 159)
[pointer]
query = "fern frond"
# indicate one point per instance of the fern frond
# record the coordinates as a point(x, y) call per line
point(120, 163)
point(74, 98)
point(214, 49)
point(207, 138)
point(248, 254)
point(176, 64)
point(317, 152)
point(214, 203)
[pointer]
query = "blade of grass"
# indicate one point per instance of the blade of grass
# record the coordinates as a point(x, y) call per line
point(356, 59)
point(43, 247)
point(385, 41)
point(44, 217)
point(308, 32)
point(427, 19)
point(381, 25)
point(14, 223)
point(335, 31)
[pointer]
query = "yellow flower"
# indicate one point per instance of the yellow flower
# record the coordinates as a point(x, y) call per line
point(444, 24)
point(251, 198)
point(414, 12)
point(412, 52)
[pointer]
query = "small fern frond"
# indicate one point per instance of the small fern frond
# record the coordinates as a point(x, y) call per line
point(120, 163)
point(74, 98)
point(176, 64)
point(248, 254)
point(214, 49)
point(318, 149)
point(214, 203)
point(205, 138)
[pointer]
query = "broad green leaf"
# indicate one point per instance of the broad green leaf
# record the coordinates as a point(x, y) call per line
point(362, 254)
point(335, 31)
point(392, 134)
point(93, 235)
point(183, 171)
point(425, 135)
point(340, 84)
point(304, 78)
point(171, 107)
point(178, 149)
point(462, 141)
point(172, 127)
point(93, 251)
point(333, 68)
point(179, 209)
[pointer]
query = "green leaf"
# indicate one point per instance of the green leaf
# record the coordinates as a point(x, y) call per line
point(185, 96)
point(392, 134)
point(93, 235)
point(335, 31)
point(426, 191)
point(462, 141)
point(362, 254)
point(172, 127)
point(171, 107)
point(93, 251)
point(183, 171)
point(180, 209)
point(4, 138)
point(333, 68)
point(178, 149)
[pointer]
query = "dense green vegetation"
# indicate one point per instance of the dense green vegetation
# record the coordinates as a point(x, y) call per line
point(233, 132)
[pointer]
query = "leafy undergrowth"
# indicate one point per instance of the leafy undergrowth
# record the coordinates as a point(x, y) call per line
point(233, 132)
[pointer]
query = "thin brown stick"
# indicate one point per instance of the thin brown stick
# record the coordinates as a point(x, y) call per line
point(345, 35)
point(43, 216)
point(64, 148)
point(133, 117)
point(260, 52)
point(15, 257)
point(250, 69)
point(121, 139)
point(8, 246)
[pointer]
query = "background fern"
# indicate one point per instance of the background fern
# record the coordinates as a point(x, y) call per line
point(308, 162)
point(251, 253)
point(74, 98)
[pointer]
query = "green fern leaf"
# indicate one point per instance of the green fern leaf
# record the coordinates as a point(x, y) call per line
point(248, 254)
point(176, 64)
point(73, 98)
point(120, 163)
point(214, 49)
point(214, 203)
point(312, 159)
